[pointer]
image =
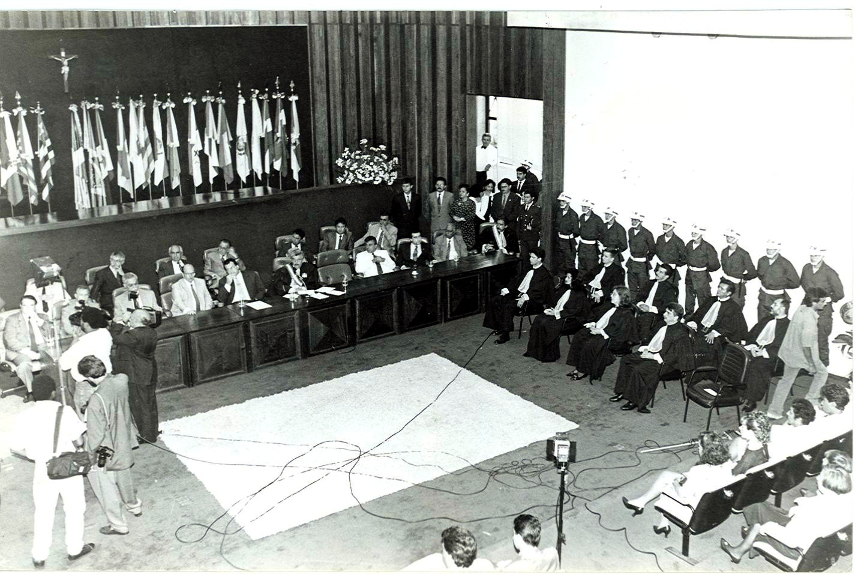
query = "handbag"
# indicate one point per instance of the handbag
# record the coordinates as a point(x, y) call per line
point(66, 464)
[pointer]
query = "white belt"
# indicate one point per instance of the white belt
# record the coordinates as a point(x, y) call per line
point(773, 291)
point(638, 259)
point(691, 268)
point(732, 279)
point(589, 241)
point(565, 235)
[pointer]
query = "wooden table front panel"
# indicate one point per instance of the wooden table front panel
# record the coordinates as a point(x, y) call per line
point(275, 339)
point(172, 363)
point(217, 353)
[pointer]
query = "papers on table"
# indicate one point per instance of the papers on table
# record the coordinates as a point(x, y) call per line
point(258, 305)
point(317, 295)
point(330, 290)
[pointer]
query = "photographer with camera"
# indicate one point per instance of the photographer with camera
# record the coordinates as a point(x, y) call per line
point(110, 439)
point(82, 299)
point(135, 356)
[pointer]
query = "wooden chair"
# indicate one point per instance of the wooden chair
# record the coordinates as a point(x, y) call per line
point(90, 274)
point(484, 226)
point(332, 257)
point(166, 282)
point(334, 274)
point(727, 388)
point(820, 556)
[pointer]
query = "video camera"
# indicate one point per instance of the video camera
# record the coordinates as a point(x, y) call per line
point(44, 271)
point(560, 449)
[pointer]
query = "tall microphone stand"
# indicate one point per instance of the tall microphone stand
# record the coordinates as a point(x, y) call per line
point(562, 470)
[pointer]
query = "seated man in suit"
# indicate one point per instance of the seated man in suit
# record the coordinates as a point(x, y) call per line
point(214, 263)
point(175, 265)
point(76, 305)
point(499, 237)
point(297, 240)
point(108, 279)
point(449, 246)
point(342, 238)
point(133, 298)
point(415, 252)
point(384, 232)
point(529, 293)
point(239, 285)
point(296, 276)
point(189, 294)
point(26, 337)
point(658, 293)
point(764, 342)
point(373, 261)
point(717, 321)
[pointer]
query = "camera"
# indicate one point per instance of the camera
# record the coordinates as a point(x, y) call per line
point(560, 449)
point(103, 453)
point(133, 295)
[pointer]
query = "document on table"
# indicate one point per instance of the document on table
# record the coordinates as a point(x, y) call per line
point(258, 305)
point(329, 290)
point(317, 295)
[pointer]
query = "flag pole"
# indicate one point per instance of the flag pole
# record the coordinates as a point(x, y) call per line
point(209, 159)
point(23, 113)
point(157, 104)
point(276, 122)
point(221, 102)
point(293, 100)
point(39, 111)
point(266, 168)
point(169, 105)
point(143, 125)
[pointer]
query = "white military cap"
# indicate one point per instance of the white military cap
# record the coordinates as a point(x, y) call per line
point(732, 233)
point(670, 221)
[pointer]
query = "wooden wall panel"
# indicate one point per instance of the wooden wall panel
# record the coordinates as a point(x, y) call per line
point(441, 92)
point(553, 81)
point(410, 109)
point(366, 81)
point(350, 85)
point(425, 143)
point(381, 94)
point(320, 125)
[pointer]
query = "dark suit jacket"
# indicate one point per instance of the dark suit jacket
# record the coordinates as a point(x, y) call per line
point(135, 353)
point(406, 217)
point(509, 211)
point(104, 283)
point(528, 185)
point(667, 293)
point(329, 242)
point(253, 285)
point(165, 268)
point(281, 282)
point(541, 289)
point(403, 254)
point(488, 237)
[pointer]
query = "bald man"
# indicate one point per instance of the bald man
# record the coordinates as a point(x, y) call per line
point(190, 294)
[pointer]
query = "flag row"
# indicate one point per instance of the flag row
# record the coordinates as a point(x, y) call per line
point(17, 174)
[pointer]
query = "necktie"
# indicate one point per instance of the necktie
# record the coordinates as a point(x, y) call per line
point(504, 199)
point(414, 252)
point(119, 279)
point(408, 200)
point(519, 187)
point(380, 233)
point(34, 346)
point(379, 268)
point(449, 248)
point(440, 196)
point(338, 240)
point(195, 295)
point(137, 304)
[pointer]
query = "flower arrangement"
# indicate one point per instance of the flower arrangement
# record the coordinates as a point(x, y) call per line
point(369, 164)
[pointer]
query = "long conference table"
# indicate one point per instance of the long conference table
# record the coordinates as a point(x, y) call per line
point(230, 340)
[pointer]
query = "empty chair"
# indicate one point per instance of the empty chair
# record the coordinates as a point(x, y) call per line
point(332, 257)
point(727, 387)
point(166, 282)
point(334, 274)
point(90, 274)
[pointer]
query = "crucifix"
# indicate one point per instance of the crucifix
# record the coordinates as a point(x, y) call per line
point(64, 68)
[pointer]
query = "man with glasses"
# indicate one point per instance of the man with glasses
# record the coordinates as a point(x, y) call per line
point(384, 232)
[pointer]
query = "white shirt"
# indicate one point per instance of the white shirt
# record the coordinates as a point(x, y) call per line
point(177, 266)
point(97, 343)
point(650, 299)
point(499, 238)
point(367, 267)
point(34, 431)
point(486, 156)
point(451, 249)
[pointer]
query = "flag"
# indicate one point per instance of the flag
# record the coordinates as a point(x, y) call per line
point(124, 167)
point(135, 156)
point(296, 166)
point(257, 134)
point(225, 144)
point(172, 142)
point(193, 142)
point(94, 166)
point(46, 157)
point(160, 166)
point(9, 179)
point(280, 162)
point(211, 137)
point(268, 132)
point(144, 147)
point(102, 142)
point(82, 192)
point(243, 168)
point(25, 155)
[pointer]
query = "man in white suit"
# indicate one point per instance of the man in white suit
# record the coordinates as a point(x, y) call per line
point(190, 294)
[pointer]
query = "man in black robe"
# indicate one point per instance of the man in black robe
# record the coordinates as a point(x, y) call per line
point(527, 294)
point(764, 342)
point(649, 309)
point(716, 322)
point(605, 278)
point(135, 356)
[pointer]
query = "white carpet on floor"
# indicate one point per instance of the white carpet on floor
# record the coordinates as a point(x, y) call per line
point(472, 421)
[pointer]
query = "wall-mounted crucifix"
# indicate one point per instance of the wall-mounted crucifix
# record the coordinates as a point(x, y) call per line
point(64, 68)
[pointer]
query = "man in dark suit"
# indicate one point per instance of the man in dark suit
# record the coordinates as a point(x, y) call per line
point(522, 185)
point(406, 208)
point(135, 357)
point(108, 279)
point(718, 321)
point(175, 265)
point(342, 238)
point(239, 285)
point(528, 224)
point(528, 292)
point(297, 275)
point(415, 252)
point(499, 237)
point(505, 204)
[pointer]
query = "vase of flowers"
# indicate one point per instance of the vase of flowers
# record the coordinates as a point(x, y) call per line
point(368, 164)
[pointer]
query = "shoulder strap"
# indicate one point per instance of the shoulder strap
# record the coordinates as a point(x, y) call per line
point(105, 408)
point(57, 427)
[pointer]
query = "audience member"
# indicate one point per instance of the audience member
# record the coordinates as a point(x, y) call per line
point(458, 552)
point(449, 246)
point(668, 350)
point(751, 445)
point(717, 321)
point(614, 236)
point(37, 430)
point(109, 424)
point(800, 350)
point(414, 252)
point(657, 294)
point(25, 337)
point(505, 205)
point(789, 438)
point(373, 261)
point(462, 212)
point(528, 295)
point(571, 303)
point(604, 278)
point(737, 266)
point(499, 237)
point(590, 233)
point(701, 262)
point(776, 274)
point(567, 227)
point(135, 357)
point(133, 298)
point(613, 330)
point(96, 341)
point(297, 275)
point(526, 542)
point(384, 232)
point(107, 279)
point(817, 273)
point(642, 249)
point(670, 249)
point(341, 238)
point(214, 262)
point(764, 342)
point(832, 419)
point(189, 295)
point(82, 299)
point(486, 158)
point(528, 224)
point(439, 203)
point(406, 209)
point(239, 285)
point(175, 265)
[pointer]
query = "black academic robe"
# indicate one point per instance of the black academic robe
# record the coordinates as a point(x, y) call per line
point(613, 277)
point(730, 324)
point(543, 342)
point(638, 378)
point(648, 323)
point(591, 354)
point(760, 369)
point(502, 308)
point(135, 357)
point(487, 236)
point(281, 282)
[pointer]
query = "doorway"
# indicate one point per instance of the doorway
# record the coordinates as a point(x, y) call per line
point(516, 127)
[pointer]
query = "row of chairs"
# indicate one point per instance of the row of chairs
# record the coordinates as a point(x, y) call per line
point(773, 478)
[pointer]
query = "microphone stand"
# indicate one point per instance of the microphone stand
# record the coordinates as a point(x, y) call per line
point(691, 442)
point(562, 470)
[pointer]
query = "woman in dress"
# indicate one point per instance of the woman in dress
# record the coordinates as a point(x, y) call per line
point(482, 204)
point(462, 211)
point(572, 303)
